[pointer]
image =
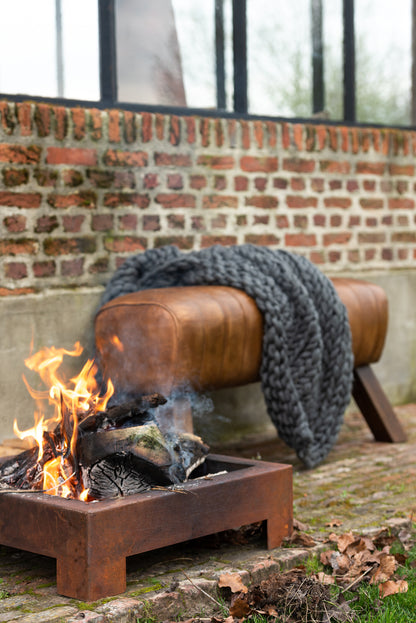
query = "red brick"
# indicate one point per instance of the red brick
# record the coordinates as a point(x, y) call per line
point(16, 291)
point(335, 220)
point(100, 178)
point(371, 168)
point(174, 160)
point(337, 238)
point(352, 186)
point(174, 130)
point(46, 177)
point(151, 222)
point(198, 223)
point(258, 133)
point(266, 164)
point(115, 200)
point(72, 268)
point(333, 138)
point(18, 247)
point(335, 184)
point(219, 201)
point(176, 200)
point(71, 155)
point(262, 219)
point(372, 204)
point(321, 137)
point(151, 180)
point(42, 119)
point(128, 222)
point(118, 158)
point(353, 256)
point(310, 138)
point(102, 222)
point(46, 224)
point(8, 121)
point(300, 240)
point(403, 220)
point(272, 133)
point(297, 183)
point(260, 183)
point(146, 127)
point(401, 204)
point(60, 122)
point(79, 123)
point(337, 202)
point(285, 135)
point(15, 270)
point(209, 241)
point(387, 254)
point(369, 185)
point(15, 223)
point(84, 199)
point(404, 236)
point(182, 242)
point(175, 181)
point(318, 184)
point(20, 200)
point(345, 141)
point(371, 222)
point(387, 220)
point(369, 254)
point(204, 130)
point(240, 183)
point(232, 132)
point(220, 182)
point(113, 126)
point(190, 130)
point(403, 254)
point(282, 222)
point(402, 169)
point(280, 183)
point(299, 165)
point(124, 179)
point(294, 201)
point(99, 266)
point(216, 162)
point(197, 181)
point(342, 167)
point(69, 246)
point(300, 221)
point(176, 221)
point(129, 126)
point(319, 220)
point(44, 269)
point(73, 223)
point(15, 177)
point(262, 201)
point(96, 124)
point(17, 154)
point(219, 133)
point(24, 118)
point(160, 122)
point(317, 257)
point(241, 220)
point(125, 244)
point(72, 177)
point(402, 186)
point(334, 256)
point(297, 131)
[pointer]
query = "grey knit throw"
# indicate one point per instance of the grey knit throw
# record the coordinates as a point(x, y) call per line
point(307, 361)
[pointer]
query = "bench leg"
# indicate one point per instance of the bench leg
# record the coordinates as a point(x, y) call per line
point(375, 407)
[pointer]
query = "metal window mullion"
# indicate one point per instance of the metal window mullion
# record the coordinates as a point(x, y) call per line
point(220, 54)
point(349, 61)
point(107, 43)
point(240, 55)
point(318, 91)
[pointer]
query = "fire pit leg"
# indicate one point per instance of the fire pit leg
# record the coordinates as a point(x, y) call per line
point(89, 577)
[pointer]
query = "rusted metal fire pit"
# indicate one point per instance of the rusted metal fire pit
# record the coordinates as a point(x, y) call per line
point(91, 541)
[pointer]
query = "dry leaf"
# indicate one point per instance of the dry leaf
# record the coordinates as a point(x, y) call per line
point(232, 581)
point(299, 525)
point(344, 540)
point(240, 608)
point(388, 565)
point(301, 539)
point(392, 587)
point(324, 578)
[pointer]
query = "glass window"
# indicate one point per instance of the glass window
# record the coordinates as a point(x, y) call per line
point(29, 43)
point(383, 61)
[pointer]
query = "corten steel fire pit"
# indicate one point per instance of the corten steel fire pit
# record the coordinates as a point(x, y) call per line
point(91, 541)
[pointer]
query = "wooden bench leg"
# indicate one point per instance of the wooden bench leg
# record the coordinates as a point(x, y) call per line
point(375, 407)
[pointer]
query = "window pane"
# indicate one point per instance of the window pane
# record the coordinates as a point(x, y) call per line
point(383, 60)
point(27, 48)
point(81, 62)
point(333, 59)
point(279, 57)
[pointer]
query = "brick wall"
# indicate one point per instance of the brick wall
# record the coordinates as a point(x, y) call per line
point(80, 190)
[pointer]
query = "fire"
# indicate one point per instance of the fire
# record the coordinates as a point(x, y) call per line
point(70, 401)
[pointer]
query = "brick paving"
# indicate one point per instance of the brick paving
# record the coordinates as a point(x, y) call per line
point(362, 483)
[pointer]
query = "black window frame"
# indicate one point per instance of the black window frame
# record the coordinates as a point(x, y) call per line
point(108, 70)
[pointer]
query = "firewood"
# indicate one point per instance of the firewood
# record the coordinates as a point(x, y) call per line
point(134, 411)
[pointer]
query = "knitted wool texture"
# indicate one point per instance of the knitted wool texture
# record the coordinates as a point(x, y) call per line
point(307, 360)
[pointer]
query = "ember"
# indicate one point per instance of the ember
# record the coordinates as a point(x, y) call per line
point(86, 450)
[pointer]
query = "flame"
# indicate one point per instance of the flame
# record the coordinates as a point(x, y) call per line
point(71, 401)
point(115, 340)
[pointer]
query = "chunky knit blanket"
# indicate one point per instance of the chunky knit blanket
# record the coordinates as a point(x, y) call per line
point(307, 361)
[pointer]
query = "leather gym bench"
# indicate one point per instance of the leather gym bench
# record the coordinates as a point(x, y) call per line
point(210, 337)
